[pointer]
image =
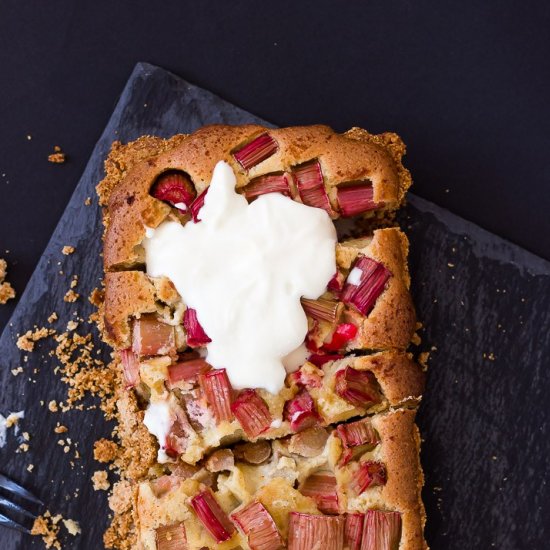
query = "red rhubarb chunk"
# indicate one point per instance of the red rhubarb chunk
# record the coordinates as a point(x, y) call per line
point(187, 371)
point(300, 411)
point(381, 530)
point(175, 188)
point(212, 516)
point(177, 438)
point(373, 277)
point(256, 151)
point(336, 284)
point(171, 537)
point(344, 333)
point(311, 186)
point(370, 474)
point(319, 359)
point(153, 337)
point(322, 309)
point(196, 336)
point(130, 367)
point(356, 199)
point(269, 183)
point(252, 413)
point(357, 387)
point(307, 379)
point(321, 487)
point(309, 531)
point(356, 434)
point(196, 205)
point(353, 532)
point(218, 393)
point(258, 526)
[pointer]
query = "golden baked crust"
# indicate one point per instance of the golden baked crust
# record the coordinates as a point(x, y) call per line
point(132, 170)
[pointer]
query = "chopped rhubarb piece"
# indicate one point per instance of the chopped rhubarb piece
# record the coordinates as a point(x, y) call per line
point(353, 531)
point(356, 199)
point(221, 460)
point(252, 413)
point(164, 484)
point(344, 333)
point(321, 487)
point(309, 531)
point(319, 359)
point(336, 284)
point(357, 387)
point(256, 452)
point(196, 336)
point(196, 205)
point(308, 443)
point(153, 337)
point(305, 378)
point(258, 526)
point(370, 474)
point(300, 411)
point(356, 434)
point(130, 367)
point(177, 438)
point(171, 537)
point(268, 183)
point(212, 516)
point(187, 371)
point(175, 188)
point(218, 393)
point(381, 530)
point(311, 186)
point(372, 277)
point(256, 151)
point(323, 309)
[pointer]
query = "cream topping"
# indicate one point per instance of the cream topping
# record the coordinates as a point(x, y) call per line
point(244, 268)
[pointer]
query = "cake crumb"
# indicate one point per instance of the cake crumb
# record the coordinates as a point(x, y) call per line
point(30, 467)
point(100, 481)
point(26, 341)
point(71, 296)
point(17, 371)
point(60, 429)
point(52, 406)
point(105, 450)
point(72, 527)
point(57, 157)
point(6, 290)
point(88, 201)
point(53, 317)
point(67, 249)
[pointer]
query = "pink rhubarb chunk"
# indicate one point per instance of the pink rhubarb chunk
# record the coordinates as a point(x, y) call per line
point(321, 487)
point(256, 151)
point(196, 336)
point(310, 531)
point(174, 188)
point(218, 392)
point(357, 387)
point(252, 413)
point(212, 516)
point(300, 411)
point(258, 526)
point(356, 199)
point(130, 367)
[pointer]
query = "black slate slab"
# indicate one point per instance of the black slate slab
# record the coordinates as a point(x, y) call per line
point(486, 306)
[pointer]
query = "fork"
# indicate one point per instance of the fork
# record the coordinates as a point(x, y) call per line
point(15, 490)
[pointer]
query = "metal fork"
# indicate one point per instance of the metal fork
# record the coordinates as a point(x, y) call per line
point(17, 511)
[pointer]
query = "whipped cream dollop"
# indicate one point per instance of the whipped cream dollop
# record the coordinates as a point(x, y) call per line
point(244, 268)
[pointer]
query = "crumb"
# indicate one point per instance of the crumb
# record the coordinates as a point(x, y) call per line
point(52, 317)
point(105, 450)
point(57, 157)
point(6, 290)
point(17, 371)
point(72, 325)
point(47, 527)
point(100, 481)
point(30, 467)
point(67, 250)
point(59, 429)
point(23, 448)
point(72, 527)
point(52, 405)
point(96, 297)
point(423, 359)
point(88, 201)
point(71, 296)
point(26, 342)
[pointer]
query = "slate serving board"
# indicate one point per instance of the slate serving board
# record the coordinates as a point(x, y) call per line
point(486, 305)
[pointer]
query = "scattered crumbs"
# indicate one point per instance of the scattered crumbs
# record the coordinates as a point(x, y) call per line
point(96, 297)
point(27, 341)
point(71, 296)
point(23, 448)
point(30, 467)
point(489, 356)
point(72, 325)
point(423, 359)
point(105, 450)
point(60, 429)
point(416, 340)
point(449, 264)
point(26, 436)
point(48, 527)
point(494, 457)
point(13, 419)
point(88, 201)
point(17, 371)
point(67, 250)
point(6, 290)
point(29, 137)
point(52, 406)
point(58, 156)
point(53, 317)
point(100, 481)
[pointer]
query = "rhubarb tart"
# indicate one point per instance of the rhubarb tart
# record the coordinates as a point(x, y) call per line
point(266, 392)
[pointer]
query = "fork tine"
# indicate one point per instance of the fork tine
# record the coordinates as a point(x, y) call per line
point(15, 508)
point(7, 522)
point(16, 489)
